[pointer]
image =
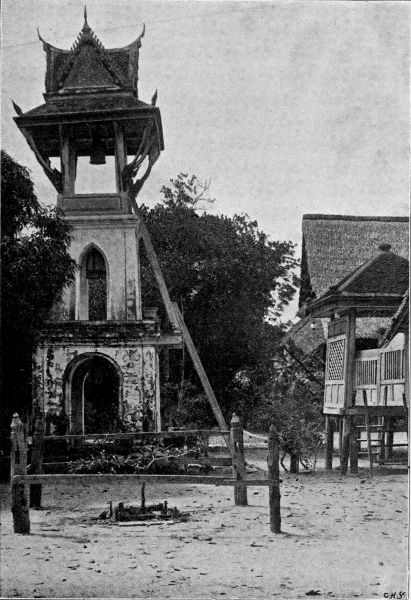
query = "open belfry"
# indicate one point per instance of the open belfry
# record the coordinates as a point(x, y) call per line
point(97, 363)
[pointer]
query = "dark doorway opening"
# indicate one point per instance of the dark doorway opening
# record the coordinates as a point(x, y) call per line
point(95, 390)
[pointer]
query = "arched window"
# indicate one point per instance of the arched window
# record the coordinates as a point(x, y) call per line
point(93, 287)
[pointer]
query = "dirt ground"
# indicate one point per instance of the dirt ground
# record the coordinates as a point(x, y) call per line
point(342, 538)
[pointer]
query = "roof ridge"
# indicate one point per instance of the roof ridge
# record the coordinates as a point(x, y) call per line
point(331, 217)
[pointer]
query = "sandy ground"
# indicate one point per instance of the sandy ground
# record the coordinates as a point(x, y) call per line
point(342, 538)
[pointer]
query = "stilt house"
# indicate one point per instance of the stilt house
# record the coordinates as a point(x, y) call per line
point(356, 311)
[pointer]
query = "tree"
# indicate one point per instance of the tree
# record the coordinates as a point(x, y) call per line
point(291, 398)
point(229, 280)
point(35, 268)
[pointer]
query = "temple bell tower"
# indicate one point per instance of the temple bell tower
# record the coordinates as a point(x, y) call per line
point(97, 363)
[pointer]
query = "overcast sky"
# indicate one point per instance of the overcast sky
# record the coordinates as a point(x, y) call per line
point(289, 107)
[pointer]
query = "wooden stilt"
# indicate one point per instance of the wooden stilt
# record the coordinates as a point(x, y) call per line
point(353, 447)
point(329, 434)
point(238, 461)
point(404, 402)
point(345, 450)
point(340, 436)
point(368, 430)
point(18, 466)
point(383, 439)
point(273, 461)
point(389, 439)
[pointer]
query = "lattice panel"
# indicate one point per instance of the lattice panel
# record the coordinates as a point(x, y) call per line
point(335, 360)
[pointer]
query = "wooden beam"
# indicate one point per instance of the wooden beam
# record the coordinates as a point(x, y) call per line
point(212, 461)
point(376, 411)
point(176, 319)
point(202, 374)
point(139, 434)
point(155, 265)
point(114, 478)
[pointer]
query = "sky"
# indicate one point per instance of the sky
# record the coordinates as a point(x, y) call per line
point(289, 107)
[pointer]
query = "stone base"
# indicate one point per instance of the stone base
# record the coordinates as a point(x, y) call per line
point(102, 376)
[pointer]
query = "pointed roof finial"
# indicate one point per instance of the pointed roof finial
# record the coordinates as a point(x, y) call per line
point(86, 26)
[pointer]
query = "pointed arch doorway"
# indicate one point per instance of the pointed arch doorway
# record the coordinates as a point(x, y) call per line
point(93, 395)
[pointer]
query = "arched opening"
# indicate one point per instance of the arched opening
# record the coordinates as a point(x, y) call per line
point(94, 391)
point(93, 286)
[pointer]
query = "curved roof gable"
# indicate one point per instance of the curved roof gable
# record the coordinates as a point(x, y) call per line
point(89, 65)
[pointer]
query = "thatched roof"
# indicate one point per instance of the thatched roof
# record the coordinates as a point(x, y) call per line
point(333, 246)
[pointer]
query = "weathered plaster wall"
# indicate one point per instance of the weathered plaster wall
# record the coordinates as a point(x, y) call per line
point(115, 237)
point(136, 364)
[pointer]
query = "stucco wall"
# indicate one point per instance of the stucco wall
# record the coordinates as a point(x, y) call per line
point(115, 237)
point(137, 366)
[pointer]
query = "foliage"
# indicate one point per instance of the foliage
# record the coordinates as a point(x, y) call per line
point(148, 459)
point(228, 278)
point(188, 407)
point(291, 398)
point(35, 268)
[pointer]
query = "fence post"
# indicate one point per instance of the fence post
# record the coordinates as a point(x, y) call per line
point(37, 458)
point(238, 461)
point(18, 466)
point(273, 461)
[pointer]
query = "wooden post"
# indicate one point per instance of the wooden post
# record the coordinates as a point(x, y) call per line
point(340, 436)
point(404, 402)
point(381, 438)
point(37, 458)
point(353, 447)
point(18, 466)
point(345, 450)
point(68, 161)
point(349, 389)
point(273, 461)
point(389, 439)
point(368, 429)
point(120, 154)
point(329, 436)
point(238, 461)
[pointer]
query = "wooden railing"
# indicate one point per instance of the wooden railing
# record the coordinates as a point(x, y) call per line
point(22, 501)
point(382, 374)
